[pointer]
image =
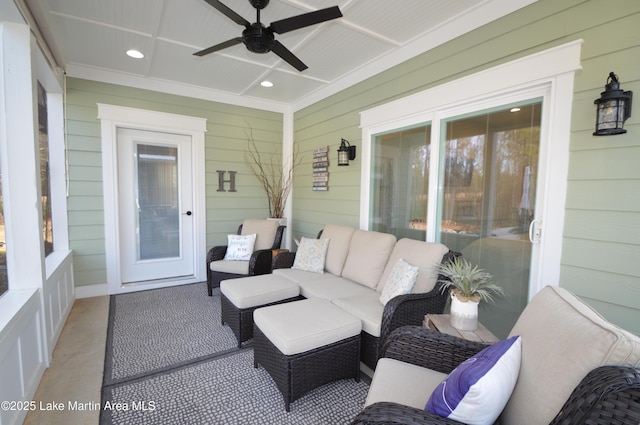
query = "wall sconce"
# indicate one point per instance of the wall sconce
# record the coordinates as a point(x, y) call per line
point(613, 108)
point(346, 153)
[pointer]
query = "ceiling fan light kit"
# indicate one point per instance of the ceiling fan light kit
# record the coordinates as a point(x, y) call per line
point(260, 39)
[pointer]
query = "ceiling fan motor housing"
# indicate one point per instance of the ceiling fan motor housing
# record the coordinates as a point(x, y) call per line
point(258, 39)
point(259, 4)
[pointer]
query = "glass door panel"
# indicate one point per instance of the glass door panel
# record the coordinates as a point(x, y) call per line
point(400, 182)
point(488, 167)
point(157, 197)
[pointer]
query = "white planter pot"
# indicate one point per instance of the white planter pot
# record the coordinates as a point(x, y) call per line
point(464, 314)
point(281, 221)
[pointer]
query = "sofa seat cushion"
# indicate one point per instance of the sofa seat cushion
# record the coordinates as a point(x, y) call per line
point(259, 290)
point(230, 266)
point(340, 239)
point(402, 383)
point(367, 258)
point(300, 326)
point(366, 307)
point(299, 276)
point(424, 255)
point(330, 287)
point(562, 340)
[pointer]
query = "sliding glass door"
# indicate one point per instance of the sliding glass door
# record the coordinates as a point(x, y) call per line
point(482, 180)
point(489, 169)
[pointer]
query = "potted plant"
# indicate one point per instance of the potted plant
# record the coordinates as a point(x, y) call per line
point(468, 285)
point(272, 175)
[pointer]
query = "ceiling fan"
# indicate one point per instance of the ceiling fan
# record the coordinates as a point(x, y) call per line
point(260, 39)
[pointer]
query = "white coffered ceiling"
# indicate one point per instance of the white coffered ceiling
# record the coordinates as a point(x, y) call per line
point(89, 39)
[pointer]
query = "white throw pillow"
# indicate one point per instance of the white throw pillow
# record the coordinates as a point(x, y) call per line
point(240, 247)
point(311, 255)
point(400, 281)
point(476, 392)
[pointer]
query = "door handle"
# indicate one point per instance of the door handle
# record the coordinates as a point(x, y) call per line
point(535, 231)
point(188, 213)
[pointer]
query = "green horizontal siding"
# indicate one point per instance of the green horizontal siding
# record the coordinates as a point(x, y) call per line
point(601, 249)
point(225, 145)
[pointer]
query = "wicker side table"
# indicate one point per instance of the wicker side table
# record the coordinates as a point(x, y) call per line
point(442, 323)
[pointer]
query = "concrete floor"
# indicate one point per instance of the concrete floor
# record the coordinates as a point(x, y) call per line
point(75, 374)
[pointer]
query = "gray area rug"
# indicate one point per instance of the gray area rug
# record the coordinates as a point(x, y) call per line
point(150, 331)
point(202, 382)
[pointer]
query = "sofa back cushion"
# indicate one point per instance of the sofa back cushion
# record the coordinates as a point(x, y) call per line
point(563, 339)
point(367, 257)
point(265, 231)
point(424, 255)
point(339, 241)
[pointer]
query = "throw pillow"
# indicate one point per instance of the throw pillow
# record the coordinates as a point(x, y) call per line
point(311, 255)
point(400, 281)
point(240, 247)
point(477, 391)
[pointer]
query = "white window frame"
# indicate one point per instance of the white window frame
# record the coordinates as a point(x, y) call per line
point(549, 73)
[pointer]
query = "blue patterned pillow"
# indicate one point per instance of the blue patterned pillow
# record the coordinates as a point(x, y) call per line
point(311, 255)
point(240, 247)
point(476, 392)
point(400, 281)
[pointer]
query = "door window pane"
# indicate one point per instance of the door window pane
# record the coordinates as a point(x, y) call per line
point(157, 198)
point(489, 167)
point(400, 182)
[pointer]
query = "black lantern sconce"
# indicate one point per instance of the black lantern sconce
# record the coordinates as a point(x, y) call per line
point(346, 153)
point(613, 108)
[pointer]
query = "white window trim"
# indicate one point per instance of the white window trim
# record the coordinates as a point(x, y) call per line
point(551, 70)
point(112, 117)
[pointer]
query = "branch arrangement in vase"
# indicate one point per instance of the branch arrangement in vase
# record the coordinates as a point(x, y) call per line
point(275, 178)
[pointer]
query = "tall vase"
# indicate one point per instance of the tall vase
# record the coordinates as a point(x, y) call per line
point(464, 313)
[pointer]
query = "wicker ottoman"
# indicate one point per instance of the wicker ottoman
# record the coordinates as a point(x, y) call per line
point(306, 344)
point(240, 297)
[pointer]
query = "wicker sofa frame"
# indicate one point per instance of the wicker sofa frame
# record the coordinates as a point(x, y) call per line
point(260, 262)
point(607, 395)
point(295, 375)
point(400, 311)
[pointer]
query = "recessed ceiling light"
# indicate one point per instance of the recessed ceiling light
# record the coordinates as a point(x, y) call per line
point(266, 83)
point(515, 110)
point(136, 54)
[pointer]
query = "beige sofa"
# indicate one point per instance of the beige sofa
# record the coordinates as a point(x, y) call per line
point(357, 267)
point(563, 340)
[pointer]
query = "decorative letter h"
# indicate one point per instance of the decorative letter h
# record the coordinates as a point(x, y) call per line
point(222, 181)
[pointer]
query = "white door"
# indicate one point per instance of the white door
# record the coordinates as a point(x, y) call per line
point(155, 205)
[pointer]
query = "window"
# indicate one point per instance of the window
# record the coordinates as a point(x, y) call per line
point(45, 178)
point(4, 281)
point(400, 182)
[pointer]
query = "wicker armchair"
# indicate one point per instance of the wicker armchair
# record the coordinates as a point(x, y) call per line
point(400, 311)
point(607, 395)
point(269, 238)
point(595, 389)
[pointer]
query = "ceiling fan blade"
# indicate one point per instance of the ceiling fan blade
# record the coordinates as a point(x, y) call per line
point(228, 13)
point(286, 55)
point(305, 20)
point(220, 46)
